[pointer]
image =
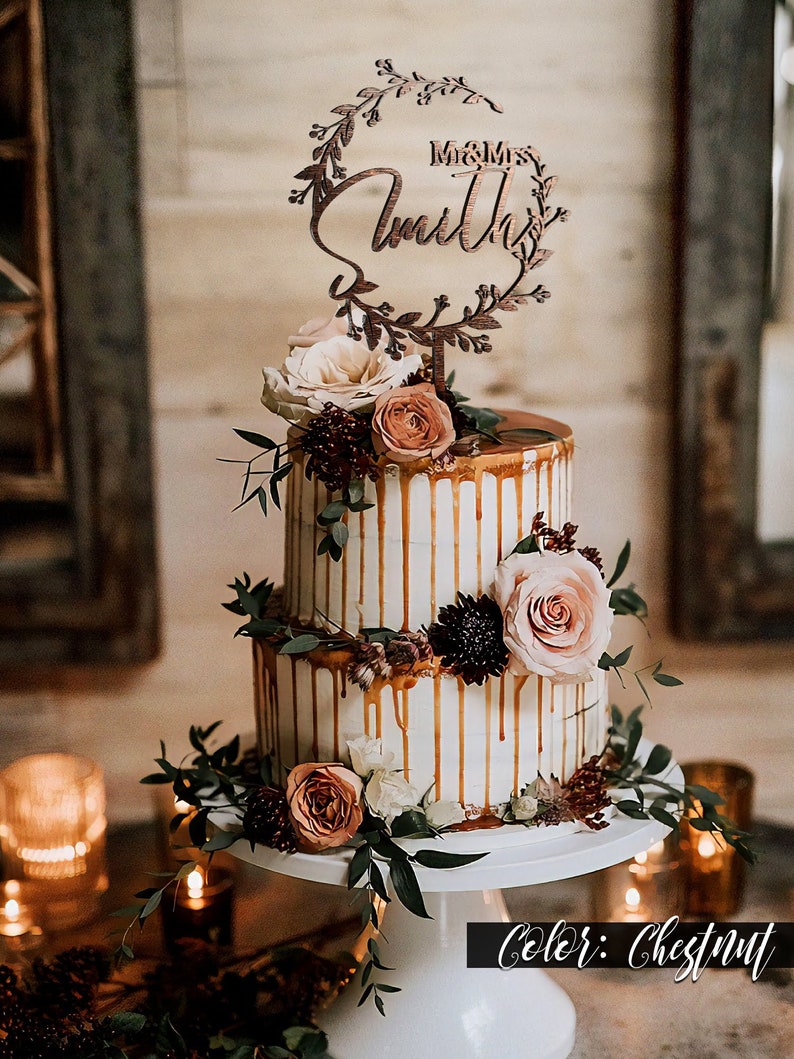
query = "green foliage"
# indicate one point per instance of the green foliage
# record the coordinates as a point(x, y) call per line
point(668, 802)
point(330, 518)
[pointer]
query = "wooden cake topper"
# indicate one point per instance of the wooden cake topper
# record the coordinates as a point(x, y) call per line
point(326, 180)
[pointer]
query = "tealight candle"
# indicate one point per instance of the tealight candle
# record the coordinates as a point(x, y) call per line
point(55, 835)
point(18, 935)
point(715, 871)
point(201, 908)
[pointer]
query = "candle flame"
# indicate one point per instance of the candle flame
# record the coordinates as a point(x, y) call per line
point(13, 889)
point(632, 897)
point(641, 858)
point(707, 847)
point(195, 883)
point(11, 910)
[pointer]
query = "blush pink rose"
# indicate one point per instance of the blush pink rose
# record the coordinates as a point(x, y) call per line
point(557, 618)
point(411, 422)
point(324, 801)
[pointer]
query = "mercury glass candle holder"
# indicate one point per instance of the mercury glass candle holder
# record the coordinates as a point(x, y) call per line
point(715, 871)
point(53, 814)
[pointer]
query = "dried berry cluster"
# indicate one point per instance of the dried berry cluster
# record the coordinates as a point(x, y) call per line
point(563, 540)
point(339, 447)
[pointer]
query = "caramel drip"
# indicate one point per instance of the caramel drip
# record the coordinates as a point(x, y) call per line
point(361, 554)
point(328, 561)
point(564, 763)
point(437, 734)
point(264, 707)
point(335, 686)
point(488, 705)
point(499, 490)
point(315, 746)
point(315, 542)
point(405, 497)
point(461, 737)
point(502, 708)
point(478, 518)
point(380, 493)
point(432, 483)
point(478, 823)
point(549, 465)
point(294, 679)
point(518, 684)
point(344, 577)
point(540, 719)
point(551, 722)
point(257, 664)
point(456, 531)
point(274, 714)
point(580, 726)
point(299, 523)
point(343, 691)
point(537, 468)
point(519, 480)
point(401, 720)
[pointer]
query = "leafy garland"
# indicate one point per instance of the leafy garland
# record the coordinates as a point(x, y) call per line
point(217, 779)
point(323, 179)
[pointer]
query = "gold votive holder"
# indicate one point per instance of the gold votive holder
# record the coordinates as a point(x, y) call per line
point(715, 871)
point(53, 813)
point(20, 938)
point(648, 888)
point(202, 908)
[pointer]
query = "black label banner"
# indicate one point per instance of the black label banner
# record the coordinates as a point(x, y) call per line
point(686, 948)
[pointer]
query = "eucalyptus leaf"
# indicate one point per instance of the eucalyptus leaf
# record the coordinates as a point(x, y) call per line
point(666, 680)
point(526, 546)
point(658, 760)
point(406, 887)
point(621, 564)
point(259, 440)
point(340, 533)
point(125, 1022)
point(663, 816)
point(300, 644)
point(436, 858)
point(332, 512)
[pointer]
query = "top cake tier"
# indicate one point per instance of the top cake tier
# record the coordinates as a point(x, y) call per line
point(433, 531)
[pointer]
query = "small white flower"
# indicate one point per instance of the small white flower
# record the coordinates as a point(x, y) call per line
point(389, 794)
point(524, 807)
point(367, 754)
point(444, 814)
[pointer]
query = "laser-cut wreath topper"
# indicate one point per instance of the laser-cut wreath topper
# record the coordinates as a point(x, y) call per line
point(327, 180)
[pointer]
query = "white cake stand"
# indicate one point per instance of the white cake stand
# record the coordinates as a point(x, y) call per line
point(468, 1013)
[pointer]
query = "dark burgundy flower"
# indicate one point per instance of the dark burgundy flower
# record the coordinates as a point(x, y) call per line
point(468, 637)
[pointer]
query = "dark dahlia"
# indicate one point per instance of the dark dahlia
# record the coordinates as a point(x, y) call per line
point(266, 820)
point(468, 638)
point(339, 448)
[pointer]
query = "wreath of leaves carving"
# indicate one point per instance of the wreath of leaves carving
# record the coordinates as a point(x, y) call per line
point(326, 173)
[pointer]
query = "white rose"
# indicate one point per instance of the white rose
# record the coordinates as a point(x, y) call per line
point(524, 807)
point(325, 365)
point(388, 794)
point(557, 617)
point(366, 755)
point(444, 814)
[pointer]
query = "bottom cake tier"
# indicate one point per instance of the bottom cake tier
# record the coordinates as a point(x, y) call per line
point(473, 744)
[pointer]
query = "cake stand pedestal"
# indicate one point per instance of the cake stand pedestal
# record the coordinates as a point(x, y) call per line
point(444, 1006)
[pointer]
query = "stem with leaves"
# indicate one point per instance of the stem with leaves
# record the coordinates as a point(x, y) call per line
point(668, 802)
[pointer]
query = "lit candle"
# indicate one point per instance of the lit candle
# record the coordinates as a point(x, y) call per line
point(709, 853)
point(201, 908)
point(18, 935)
point(633, 909)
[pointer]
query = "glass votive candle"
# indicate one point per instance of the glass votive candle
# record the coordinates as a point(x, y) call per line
point(647, 888)
point(53, 812)
point(715, 871)
point(201, 908)
point(20, 938)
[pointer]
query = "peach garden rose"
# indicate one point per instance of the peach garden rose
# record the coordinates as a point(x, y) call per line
point(324, 802)
point(556, 612)
point(412, 422)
